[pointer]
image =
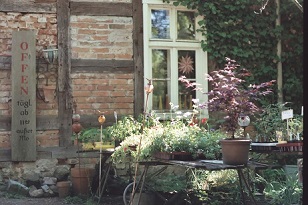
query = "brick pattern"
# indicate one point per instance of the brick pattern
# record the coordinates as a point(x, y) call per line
point(101, 37)
point(105, 92)
point(92, 37)
point(45, 26)
point(5, 92)
point(49, 138)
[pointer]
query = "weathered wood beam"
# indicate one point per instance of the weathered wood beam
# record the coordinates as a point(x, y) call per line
point(98, 66)
point(101, 9)
point(27, 7)
point(138, 57)
point(49, 153)
point(65, 110)
point(42, 123)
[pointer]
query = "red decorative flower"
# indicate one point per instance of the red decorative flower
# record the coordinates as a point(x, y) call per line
point(203, 121)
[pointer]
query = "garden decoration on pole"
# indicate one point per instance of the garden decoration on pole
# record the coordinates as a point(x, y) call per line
point(148, 89)
point(101, 120)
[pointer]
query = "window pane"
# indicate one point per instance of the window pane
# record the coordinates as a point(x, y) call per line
point(161, 96)
point(160, 20)
point(186, 64)
point(161, 78)
point(185, 96)
point(186, 25)
point(160, 63)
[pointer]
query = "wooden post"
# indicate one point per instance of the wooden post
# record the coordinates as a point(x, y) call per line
point(279, 63)
point(23, 126)
point(65, 109)
point(138, 57)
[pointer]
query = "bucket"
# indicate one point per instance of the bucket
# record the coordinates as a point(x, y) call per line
point(64, 188)
point(81, 180)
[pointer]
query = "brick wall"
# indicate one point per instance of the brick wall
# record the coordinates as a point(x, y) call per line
point(92, 37)
point(104, 92)
point(101, 37)
point(45, 27)
point(105, 38)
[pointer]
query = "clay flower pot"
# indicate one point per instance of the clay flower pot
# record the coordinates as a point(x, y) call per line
point(82, 180)
point(235, 151)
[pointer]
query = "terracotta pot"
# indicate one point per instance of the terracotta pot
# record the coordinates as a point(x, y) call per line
point(235, 151)
point(82, 180)
point(64, 188)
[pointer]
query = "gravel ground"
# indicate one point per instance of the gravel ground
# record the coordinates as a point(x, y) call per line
point(7, 199)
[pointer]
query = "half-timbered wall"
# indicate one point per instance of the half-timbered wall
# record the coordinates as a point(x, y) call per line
point(100, 66)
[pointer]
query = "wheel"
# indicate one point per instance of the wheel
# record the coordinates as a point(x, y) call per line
point(127, 194)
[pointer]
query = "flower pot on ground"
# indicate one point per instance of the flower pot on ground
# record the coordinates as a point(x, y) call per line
point(81, 178)
point(64, 188)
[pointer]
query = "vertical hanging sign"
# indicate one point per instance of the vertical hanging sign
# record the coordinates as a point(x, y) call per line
point(23, 130)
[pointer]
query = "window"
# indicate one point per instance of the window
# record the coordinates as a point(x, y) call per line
point(172, 49)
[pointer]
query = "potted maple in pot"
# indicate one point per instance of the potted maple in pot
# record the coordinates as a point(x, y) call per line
point(232, 97)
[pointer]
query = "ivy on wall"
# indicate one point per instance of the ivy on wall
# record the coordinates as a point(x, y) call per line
point(238, 30)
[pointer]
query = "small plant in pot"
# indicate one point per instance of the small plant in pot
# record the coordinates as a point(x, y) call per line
point(232, 97)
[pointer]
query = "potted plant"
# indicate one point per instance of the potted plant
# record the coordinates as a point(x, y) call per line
point(89, 138)
point(232, 97)
point(123, 128)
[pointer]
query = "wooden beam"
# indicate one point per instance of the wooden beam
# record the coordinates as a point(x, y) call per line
point(64, 82)
point(42, 123)
point(26, 7)
point(98, 66)
point(138, 57)
point(101, 9)
point(49, 153)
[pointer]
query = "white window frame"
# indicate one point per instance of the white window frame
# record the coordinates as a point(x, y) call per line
point(173, 45)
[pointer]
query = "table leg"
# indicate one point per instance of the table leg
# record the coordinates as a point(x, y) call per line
point(142, 182)
point(105, 177)
point(241, 186)
point(242, 177)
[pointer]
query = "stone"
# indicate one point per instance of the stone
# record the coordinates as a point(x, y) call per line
point(18, 188)
point(32, 188)
point(37, 193)
point(54, 188)
point(31, 178)
point(49, 181)
point(62, 172)
point(47, 191)
point(46, 166)
point(45, 188)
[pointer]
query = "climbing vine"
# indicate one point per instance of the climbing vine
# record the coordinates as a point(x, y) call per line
point(245, 30)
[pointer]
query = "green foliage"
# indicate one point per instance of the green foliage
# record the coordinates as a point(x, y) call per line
point(89, 135)
point(281, 189)
point(177, 135)
point(269, 121)
point(168, 183)
point(123, 128)
point(216, 187)
point(238, 30)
